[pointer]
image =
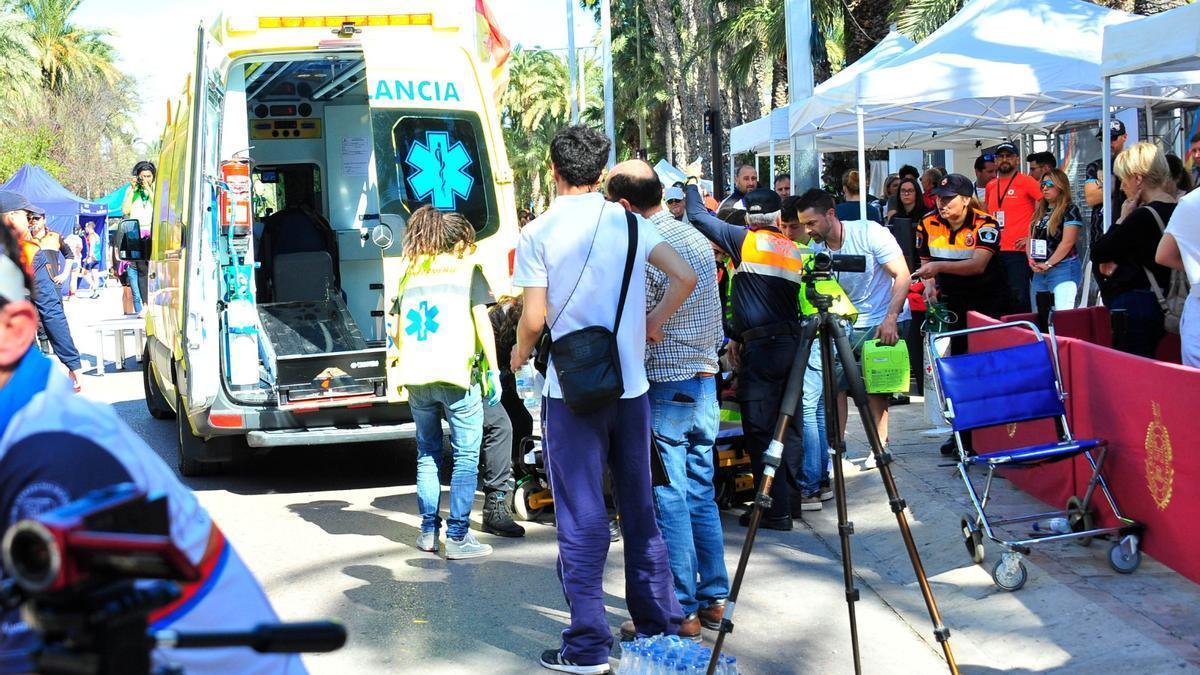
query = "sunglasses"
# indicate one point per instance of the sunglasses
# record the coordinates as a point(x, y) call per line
point(1047, 184)
point(674, 201)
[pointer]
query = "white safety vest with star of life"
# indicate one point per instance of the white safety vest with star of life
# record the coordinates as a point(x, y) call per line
point(434, 327)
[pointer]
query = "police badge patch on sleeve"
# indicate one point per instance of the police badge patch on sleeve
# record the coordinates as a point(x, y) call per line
point(989, 235)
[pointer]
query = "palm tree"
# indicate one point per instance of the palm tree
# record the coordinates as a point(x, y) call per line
point(919, 18)
point(19, 68)
point(64, 50)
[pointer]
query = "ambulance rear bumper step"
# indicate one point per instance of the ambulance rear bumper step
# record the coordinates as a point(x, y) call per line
point(331, 435)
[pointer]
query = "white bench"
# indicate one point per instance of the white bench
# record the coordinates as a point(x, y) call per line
point(118, 330)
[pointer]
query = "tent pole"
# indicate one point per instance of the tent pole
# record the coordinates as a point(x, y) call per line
point(1149, 121)
point(1106, 148)
point(862, 165)
point(772, 160)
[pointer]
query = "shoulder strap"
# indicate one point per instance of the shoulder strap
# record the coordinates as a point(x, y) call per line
point(1158, 293)
point(631, 220)
point(582, 267)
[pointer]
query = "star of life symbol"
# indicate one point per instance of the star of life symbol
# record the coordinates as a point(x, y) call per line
point(422, 321)
point(440, 165)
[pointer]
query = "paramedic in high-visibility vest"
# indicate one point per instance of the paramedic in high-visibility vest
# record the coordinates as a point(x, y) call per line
point(442, 327)
point(767, 271)
point(56, 447)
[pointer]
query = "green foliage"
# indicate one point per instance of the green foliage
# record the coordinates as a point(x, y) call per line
point(20, 146)
point(918, 18)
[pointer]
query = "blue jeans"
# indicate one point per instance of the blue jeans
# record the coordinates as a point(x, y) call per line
point(1062, 280)
point(131, 273)
point(463, 410)
point(816, 442)
point(685, 432)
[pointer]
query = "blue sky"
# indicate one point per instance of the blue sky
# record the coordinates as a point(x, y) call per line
point(155, 38)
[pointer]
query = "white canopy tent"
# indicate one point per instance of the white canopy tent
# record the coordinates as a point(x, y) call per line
point(974, 76)
point(1165, 46)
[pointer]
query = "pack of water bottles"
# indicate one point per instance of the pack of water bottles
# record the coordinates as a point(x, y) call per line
point(670, 655)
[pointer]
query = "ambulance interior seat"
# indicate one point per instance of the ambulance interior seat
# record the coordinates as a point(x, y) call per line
point(297, 228)
point(305, 276)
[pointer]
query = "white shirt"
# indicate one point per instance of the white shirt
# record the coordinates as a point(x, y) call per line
point(1185, 227)
point(551, 255)
point(870, 291)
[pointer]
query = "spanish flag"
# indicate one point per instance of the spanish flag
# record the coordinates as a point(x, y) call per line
point(493, 46)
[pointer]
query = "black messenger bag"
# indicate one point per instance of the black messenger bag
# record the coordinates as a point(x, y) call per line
point(587, 360)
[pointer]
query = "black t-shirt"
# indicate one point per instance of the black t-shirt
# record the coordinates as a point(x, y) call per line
point(1131, 244)
point(481, 291)
point(1092, 172)
point(1041, 230)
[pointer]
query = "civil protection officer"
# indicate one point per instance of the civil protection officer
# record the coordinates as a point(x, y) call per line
point(767, 269)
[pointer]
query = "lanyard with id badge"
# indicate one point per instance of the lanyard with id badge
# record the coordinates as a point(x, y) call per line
point(1039, 245)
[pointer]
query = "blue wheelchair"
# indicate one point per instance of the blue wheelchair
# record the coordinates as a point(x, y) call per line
point(1019, 384)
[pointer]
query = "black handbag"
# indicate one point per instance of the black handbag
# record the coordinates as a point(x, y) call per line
point(587, 361)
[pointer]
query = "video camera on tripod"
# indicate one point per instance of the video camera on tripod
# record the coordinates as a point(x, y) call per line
point(822, 292)
point(88, 575)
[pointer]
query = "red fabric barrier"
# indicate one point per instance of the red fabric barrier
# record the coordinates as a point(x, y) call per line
point(1092, 324)
point(1052, 483)
point(1147, 410)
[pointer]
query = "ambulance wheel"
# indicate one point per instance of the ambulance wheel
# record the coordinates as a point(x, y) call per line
point(192, 448)
point(156, 403)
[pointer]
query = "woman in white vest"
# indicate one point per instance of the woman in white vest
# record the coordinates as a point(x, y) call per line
point(442, 328)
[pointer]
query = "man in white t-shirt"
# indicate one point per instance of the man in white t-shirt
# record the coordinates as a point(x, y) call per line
point(880, 293)
point(570, 262)
point(1180, 250)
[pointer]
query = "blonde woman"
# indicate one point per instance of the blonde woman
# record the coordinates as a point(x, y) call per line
point(1124, 255)
point(1053, 230)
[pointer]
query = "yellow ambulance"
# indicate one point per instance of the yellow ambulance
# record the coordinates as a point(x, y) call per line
point(286, 175)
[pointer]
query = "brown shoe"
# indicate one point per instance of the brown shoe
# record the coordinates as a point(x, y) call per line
point(688, 630)
point(710, 617)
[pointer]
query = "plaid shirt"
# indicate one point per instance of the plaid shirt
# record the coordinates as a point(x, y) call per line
point(694, 333)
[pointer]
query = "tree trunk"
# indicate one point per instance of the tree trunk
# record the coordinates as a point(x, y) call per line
point(1148, 7)
point(779, 82)
point(684, 55)
point(869, 17)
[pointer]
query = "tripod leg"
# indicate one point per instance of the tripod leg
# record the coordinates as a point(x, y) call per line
point(762, 498)
point(845, 527)
point(883, 460)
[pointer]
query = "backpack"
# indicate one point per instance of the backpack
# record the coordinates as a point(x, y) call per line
point(1173, 300)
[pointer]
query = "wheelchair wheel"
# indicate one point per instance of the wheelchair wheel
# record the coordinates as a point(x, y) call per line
point(1122, 560)
point(1009, 572)
point(521, 508)
point(724, 491)
point(1079, 519)
point(972, 539)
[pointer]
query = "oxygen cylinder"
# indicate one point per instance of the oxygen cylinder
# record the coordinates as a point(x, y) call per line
point(241, 362)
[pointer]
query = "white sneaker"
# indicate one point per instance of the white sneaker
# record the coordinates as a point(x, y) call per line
point(467, 547)
point(869, 462)
point(428, 541)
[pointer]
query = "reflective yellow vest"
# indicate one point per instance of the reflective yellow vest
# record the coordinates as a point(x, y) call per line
point(435, 331)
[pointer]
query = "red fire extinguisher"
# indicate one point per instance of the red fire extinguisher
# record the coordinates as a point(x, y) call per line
point(234, 205)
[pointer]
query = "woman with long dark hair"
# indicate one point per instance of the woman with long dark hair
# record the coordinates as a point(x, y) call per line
point(1053, 229)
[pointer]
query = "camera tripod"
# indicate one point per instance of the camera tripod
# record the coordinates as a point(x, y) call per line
point(828, 328)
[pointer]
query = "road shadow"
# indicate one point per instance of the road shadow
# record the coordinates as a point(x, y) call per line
point(335, 517)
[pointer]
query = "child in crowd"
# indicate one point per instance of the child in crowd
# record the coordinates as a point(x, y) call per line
point(441, 328)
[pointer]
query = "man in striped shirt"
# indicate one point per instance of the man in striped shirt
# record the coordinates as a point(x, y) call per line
point(683, 398)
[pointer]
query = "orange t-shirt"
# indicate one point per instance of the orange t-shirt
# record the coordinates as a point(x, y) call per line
point(1015, 197)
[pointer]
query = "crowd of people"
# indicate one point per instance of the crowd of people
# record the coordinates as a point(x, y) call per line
point(637, 299)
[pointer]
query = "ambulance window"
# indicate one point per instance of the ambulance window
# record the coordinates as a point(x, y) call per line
point(439, 160)
point(277, 187)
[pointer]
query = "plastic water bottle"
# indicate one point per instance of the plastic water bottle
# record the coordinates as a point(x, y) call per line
point(527, 387)
point(1053, 526)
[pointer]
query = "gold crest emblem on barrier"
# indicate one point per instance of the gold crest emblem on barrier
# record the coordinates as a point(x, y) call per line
point(1012, 429)
point(1160, 473)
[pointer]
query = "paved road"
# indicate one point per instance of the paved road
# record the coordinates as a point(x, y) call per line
point(329, 533)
